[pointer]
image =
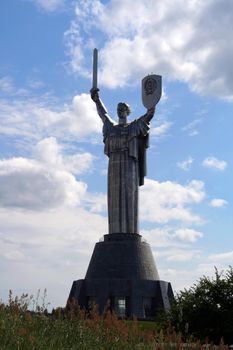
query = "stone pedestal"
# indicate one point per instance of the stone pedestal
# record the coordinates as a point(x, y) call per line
point(122, 276)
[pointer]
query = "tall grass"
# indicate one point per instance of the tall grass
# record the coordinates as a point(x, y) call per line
point(24, 324)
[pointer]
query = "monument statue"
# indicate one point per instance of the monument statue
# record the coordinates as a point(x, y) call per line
point(122, 274)
point(125, 145)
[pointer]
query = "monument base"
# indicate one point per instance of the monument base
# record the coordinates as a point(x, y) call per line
point(122, 276)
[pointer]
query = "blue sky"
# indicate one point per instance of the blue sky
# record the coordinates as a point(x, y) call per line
point(52, 166)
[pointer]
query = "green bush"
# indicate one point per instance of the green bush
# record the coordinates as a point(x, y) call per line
point(206, 309)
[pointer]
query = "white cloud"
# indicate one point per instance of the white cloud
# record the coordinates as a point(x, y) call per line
point(49, 152)
point(86, 119)
point(161, 129)
point(43, 116)
point(79, 163)
point(35, 84)
point(214, 163)
point(170, 237)
point(14, 255)
point(97, 202)
point(167, 201)
point(180, 42)
point(54, 245)
point(218, 202)
point(46, 181)
point(192, 124)
point(226, 257)
point(192, 127)
point(183, 255)
point(159, 237)
point(28, 184)
point(6, 84)
point(187, 234)
point(45, 228)
point(186, 164)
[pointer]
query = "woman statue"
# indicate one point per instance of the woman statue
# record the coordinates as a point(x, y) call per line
point(125, 145)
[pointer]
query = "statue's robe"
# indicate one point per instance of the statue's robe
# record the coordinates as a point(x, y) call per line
point(126, 148)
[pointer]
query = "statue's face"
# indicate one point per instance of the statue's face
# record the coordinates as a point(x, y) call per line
point(122, 113)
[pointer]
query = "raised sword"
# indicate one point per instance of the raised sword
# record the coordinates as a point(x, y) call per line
point(95, 69)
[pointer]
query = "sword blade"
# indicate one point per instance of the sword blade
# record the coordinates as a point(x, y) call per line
point(95, 68)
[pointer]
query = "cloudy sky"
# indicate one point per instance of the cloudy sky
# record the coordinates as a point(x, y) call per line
point(52, 166)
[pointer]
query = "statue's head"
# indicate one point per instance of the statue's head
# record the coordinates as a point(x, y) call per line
point(123, 110)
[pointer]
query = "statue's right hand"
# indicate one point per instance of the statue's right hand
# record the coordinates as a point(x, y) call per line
point(94, 94)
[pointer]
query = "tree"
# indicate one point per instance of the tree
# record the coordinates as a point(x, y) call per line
point(206, 309)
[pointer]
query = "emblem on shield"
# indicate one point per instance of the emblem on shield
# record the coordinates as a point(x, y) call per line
point(151, 90)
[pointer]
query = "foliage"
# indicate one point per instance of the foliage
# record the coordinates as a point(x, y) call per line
point(72, 328)
point(206, 309)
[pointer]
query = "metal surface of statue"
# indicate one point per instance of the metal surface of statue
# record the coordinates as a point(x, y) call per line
point(122, 275)
point(125, 145)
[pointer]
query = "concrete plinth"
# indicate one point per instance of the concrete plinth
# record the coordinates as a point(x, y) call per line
point(122, 276)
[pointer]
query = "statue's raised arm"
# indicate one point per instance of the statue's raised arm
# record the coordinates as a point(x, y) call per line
point(101, 109)
point(149, 115)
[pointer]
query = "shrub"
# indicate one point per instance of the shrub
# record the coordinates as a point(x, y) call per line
point(206, 309)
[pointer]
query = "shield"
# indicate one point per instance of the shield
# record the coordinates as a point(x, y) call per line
point(151, 90)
